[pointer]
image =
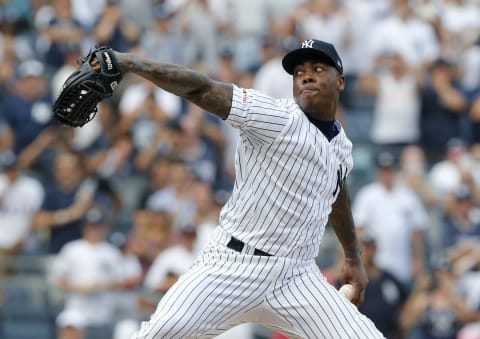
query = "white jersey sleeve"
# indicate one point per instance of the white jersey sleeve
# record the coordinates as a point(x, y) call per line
point(259, 117)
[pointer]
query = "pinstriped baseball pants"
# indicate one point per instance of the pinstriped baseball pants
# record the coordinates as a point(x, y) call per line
point(225, 288)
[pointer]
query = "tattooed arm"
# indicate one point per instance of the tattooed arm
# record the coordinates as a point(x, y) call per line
point(353, 270)
point(213, 96)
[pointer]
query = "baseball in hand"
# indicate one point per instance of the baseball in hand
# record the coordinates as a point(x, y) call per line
point(347, 291)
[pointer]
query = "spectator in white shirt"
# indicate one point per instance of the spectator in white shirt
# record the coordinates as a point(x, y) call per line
point(132, 277)
point(172, 262)
point(395, 216)
point(88, 270)
point(402, 31)
point(20, 197)
point(396, 87)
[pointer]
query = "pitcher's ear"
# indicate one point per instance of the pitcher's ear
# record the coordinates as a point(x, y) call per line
point(340, 82)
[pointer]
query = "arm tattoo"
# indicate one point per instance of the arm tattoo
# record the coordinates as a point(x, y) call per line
point(341, 220)
point(213, 96)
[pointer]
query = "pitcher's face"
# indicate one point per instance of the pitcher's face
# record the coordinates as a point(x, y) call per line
point(316, 84)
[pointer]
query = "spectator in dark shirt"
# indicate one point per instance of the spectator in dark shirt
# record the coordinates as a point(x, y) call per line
point(443, 106)
point(27, 108)
point(62, 32)
point(66, 200)
point(115, 29)
point(460, 224)
point(384, 296)
point(474, 115)
point(435, 309)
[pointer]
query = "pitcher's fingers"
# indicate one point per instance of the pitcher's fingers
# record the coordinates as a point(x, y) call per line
point(358, 296)
point(95, 64)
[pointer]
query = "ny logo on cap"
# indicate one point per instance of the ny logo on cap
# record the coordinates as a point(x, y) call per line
point(307, 44)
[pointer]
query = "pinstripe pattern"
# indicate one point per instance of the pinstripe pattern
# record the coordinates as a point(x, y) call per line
point(286, 181)
point(317, 310)
point(286, 176)
point(225, 288)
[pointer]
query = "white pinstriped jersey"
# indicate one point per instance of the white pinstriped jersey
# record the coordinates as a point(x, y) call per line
point(287, 176)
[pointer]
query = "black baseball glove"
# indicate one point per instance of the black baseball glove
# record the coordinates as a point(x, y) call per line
point(86, 87)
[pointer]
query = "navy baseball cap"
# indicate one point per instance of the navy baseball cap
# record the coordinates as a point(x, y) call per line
point(385, 160)
point(309, 48)
point(8, 159)
point(95, 216)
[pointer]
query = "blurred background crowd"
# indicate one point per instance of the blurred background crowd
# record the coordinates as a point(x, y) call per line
point(96, 223)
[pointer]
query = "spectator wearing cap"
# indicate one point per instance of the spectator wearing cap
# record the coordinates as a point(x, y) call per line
point(172, 262)
point(28, 106)
point(226, 68)
point(385, 295)
point(461, 221)
point(162, 40)
point(21, 196)
point(126, 294)
point(395, 216)
point(88, 270)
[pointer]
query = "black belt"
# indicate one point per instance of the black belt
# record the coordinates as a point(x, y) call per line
point(238, 245)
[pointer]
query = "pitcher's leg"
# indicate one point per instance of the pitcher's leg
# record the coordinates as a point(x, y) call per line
point(313, 308)
point(205, 302)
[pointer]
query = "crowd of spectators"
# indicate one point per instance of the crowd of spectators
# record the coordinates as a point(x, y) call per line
point(123, 205)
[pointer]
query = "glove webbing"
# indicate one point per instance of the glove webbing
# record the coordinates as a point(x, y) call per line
point(83, 100)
